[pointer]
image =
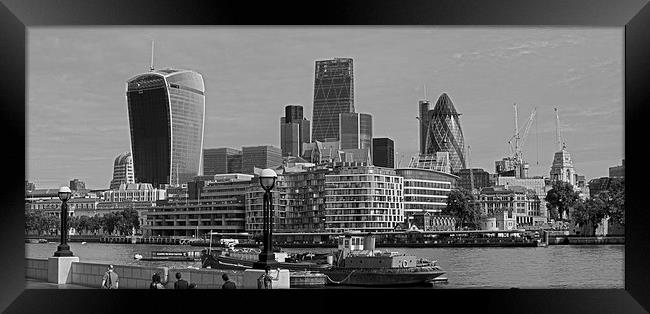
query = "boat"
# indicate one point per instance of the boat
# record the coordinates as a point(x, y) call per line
point(229, 257)
point(170, 256)
point(359, 264)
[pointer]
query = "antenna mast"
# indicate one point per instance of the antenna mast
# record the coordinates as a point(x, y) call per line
point(152, 45)
point(425, 91)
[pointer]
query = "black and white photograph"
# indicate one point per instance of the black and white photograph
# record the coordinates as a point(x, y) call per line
point(327, 157)
point(351, 157)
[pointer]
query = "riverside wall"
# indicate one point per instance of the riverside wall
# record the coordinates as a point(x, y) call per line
point(133, 277)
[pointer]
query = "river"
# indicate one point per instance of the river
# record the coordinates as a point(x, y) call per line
point(552, 267)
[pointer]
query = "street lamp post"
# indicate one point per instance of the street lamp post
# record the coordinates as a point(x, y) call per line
point(64, 249)
point(266, 257)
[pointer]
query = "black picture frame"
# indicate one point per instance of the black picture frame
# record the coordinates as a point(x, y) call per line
point(633, 15)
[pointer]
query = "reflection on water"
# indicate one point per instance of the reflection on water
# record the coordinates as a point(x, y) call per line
point(555, 266)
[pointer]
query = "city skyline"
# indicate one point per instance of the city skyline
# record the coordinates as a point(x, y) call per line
point(578, 70)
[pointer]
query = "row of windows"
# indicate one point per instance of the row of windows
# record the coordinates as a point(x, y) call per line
point(425, 192)
point(362, 205)
point(425, 199)
point(337, 219)
point(363, 199)
point(420, 184)
point(366, 178)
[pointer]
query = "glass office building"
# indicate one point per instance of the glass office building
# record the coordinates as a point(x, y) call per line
point(333, 94)
point(445, 133)
point(166, 117)
point(294, 131)
point(383, 152)
point(221, 160)
point(356, 131)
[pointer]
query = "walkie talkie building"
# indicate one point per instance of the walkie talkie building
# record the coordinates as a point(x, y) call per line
point(166, 116)
point(445, 134)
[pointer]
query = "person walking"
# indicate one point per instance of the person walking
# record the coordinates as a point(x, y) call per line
point(181, 283)
point(155, 282)
point(228, 284)
point(110, 280)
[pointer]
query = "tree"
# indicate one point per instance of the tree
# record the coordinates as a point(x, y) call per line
point(110, 222)
point(49, 223)
point(84, 223)
point(73, 223)
point(560, 199)
point(31, 221)
point(590, 212)
point(95, 223)
point(462, 205)
point(128, 220)
point(615, 196)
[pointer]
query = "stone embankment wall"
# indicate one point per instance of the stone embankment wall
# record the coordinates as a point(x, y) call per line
point(134, 277)
point(36, 268)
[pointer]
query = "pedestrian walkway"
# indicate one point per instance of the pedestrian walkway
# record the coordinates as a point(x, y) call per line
point(37, 284)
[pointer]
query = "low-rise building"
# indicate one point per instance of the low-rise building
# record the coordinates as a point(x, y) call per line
point(522, 202)
point(220, 207)
point(427, 221)
point(500, 219)
point(135, 192)
point(536, 184)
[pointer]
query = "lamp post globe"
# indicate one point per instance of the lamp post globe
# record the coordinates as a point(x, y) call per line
point(267, 257)
point(64, 249)
point(267, 179)
point(64, 193)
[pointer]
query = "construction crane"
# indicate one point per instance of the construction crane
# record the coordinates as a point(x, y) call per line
point(518, 140)
point(471, 173)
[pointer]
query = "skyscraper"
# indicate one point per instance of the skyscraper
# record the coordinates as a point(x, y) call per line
point(122, 171)
point(294, 131)
point(425, 107)
point(383, 152)
point(356, 131)
point(166, 115)
point(333, 94)
point(444, 133)
point(262, 157)
point(221, 161)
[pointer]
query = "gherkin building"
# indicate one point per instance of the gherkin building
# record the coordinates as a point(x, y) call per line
point(444, 133)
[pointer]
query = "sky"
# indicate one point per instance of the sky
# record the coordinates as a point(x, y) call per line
point(77, 120)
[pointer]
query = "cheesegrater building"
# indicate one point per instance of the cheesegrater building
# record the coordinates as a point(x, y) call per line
point(166, 116)
point(333, 94)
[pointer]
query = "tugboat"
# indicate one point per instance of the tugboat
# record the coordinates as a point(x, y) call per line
point(359, 264)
